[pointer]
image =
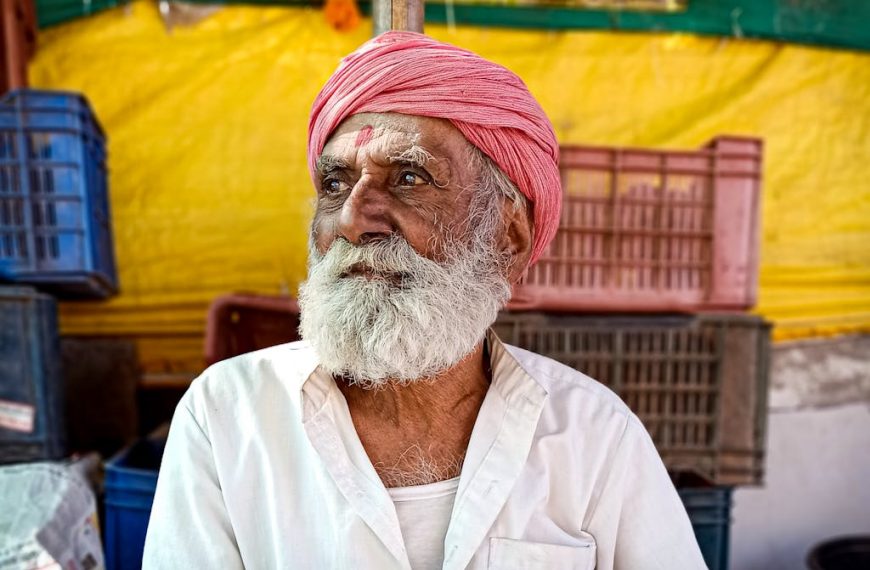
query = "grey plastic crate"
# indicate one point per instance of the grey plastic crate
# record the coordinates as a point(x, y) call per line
point(31, 387)
point(698, 383)
point(709, 511)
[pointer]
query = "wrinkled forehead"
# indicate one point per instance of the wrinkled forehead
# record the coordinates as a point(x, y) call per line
point(392, 134)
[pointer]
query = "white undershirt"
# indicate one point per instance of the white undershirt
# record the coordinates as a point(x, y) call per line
point(424, 515)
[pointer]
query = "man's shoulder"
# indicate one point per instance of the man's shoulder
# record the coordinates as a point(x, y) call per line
point(280, 369)
point(570, 389)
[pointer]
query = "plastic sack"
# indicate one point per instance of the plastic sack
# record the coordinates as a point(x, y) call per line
point(48, 519)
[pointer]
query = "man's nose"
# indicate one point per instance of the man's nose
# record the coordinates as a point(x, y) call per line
point(365, 215)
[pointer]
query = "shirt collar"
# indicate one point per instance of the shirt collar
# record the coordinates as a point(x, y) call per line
point(509, 378)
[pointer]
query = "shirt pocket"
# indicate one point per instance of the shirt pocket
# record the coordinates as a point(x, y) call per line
point(509, 554)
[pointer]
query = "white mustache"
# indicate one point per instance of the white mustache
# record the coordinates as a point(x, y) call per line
point(391, 257)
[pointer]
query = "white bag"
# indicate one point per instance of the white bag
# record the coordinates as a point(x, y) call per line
point(48, 519)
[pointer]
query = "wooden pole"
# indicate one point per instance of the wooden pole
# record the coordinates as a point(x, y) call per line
point(17, 42)
point(397, 15)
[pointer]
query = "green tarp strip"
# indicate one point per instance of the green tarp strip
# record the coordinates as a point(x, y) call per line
point(834, 23)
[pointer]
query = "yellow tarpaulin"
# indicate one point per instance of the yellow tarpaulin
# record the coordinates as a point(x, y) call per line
point(207, 127)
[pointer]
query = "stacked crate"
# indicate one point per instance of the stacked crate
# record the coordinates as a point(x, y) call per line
point(55, 226)
point(645, 288)
point(55, 237)
point(31, 387)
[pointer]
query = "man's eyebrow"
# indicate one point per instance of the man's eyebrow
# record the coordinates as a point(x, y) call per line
point(414, 155)
point(329, 163)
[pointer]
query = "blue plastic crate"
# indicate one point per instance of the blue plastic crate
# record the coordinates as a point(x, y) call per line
point(31, 384)
point(710, 513)
point(55, 222)
point(52, 110)
point(131, 478)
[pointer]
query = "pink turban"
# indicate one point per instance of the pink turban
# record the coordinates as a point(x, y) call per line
point(413, 74)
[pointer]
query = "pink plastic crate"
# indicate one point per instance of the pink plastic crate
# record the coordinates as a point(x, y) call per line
point(652, 230)
point(243, 322)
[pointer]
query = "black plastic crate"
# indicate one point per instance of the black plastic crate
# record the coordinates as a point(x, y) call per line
point(698, 383)
point(32, 424)
point(55, 221)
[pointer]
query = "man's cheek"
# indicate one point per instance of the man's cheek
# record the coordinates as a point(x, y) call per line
point(323, 233)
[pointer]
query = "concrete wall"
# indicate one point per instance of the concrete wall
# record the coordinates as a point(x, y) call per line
point(818, 462)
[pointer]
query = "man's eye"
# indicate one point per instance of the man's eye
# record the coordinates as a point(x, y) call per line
point(332, 186)
point(408, 178)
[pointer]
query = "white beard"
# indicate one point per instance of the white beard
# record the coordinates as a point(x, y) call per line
point(422, 318)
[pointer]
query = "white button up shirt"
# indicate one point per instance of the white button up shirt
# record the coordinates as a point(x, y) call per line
point(263, 469)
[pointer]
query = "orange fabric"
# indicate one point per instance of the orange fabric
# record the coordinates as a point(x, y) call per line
point(343, 15)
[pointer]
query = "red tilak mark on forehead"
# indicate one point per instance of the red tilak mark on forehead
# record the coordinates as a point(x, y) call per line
point(364, 136)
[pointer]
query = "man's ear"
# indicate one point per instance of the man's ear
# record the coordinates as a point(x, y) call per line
point(517, 238)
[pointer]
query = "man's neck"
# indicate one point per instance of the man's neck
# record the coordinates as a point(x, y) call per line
point(418, 433)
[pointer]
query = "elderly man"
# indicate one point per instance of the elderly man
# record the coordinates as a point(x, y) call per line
point(401, 433)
